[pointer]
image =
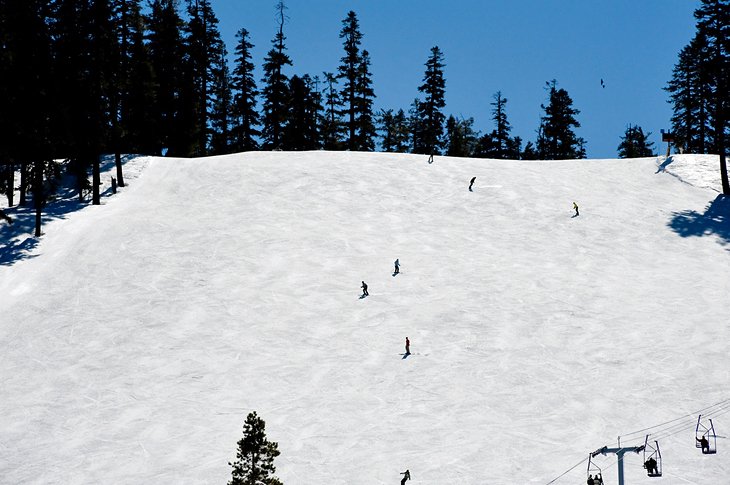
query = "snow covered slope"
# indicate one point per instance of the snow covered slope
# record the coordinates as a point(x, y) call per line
point(142, 332)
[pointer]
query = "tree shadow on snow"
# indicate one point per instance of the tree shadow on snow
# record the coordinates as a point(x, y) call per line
point(714, 221)
point(14, 246)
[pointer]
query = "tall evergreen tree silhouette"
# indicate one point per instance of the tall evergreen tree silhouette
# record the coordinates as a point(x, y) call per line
point(300, 131)
point(205, 56)
point(713, 21)
point(132, 99)
point(365, 131)
point(331, 123)
point(221, 105)
point(164, 27)
point(349, 72)
point(428, 139)
point(689, 91)
point(461, 139)
point(557, 140)
point(254, 463)
point(395, 131)
point(635, 144)
point(498, 143)
point(276, 85)
point(245, 116)
point(27, 95)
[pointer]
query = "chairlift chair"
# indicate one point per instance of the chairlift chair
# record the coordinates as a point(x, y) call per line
point(593, 469)
point(652, 452)
point(703, 431)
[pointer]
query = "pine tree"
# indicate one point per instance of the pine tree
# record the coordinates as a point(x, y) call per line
point(166, 58)
point(221, 106)
point(395, 131)
point(300, 131)
point(254, 463)
point(689, 91)
point(205, 54)
point(245, 116)
point(713, 21)
point(365, 132)
point(498, 143)
point(635, 144)
point(461, 139)
point(429, 137)
point(132, 95)
point(349, 73)
point(275, 91)
point(557, 140)
point(26, 86)
point(331, 123)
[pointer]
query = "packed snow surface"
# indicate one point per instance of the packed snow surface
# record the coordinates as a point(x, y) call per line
point(137, 335)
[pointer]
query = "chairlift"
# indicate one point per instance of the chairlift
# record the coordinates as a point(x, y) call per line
point(652, 458)
point(594, 471)
point(705, 437)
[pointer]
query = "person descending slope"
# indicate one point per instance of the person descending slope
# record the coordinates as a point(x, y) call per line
point(406, 476)
point(408, 346)
point(575, 206)
point(365, 289)
point(471, 183)
point(397, 267)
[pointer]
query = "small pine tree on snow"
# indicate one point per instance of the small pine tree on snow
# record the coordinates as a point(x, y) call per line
point(635, 144)
point(254, 463)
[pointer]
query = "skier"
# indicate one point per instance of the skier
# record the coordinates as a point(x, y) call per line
point(406, 476)
point(397, 267)
point(650, 466)
point(598, 479)
point(365, 289)
point(575, 206)
point(704, 443)
point(471, 183)
point(430, 158)
point(590, 480)
point(408, 346)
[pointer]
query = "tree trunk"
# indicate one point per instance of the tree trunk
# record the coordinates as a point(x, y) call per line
point(95, 180)
point(38, 195)
point(10, 182)
point(118, 163)
point(23, 183)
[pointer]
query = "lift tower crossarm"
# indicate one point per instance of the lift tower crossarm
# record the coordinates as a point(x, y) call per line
point(619, 452)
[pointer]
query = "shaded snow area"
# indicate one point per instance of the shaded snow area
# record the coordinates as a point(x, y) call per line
point(137, 335)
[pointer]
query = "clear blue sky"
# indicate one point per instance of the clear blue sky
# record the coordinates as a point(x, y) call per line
point(514, 46)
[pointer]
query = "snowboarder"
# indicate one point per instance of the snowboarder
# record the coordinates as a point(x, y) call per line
point(590, 480)
point(365, 289)
point(704, 444)
point(575, 206)
point(6, 217)
point(406, 476)
point(471, 183)
point(430, 158)
point(408, 346)
point(397, 267)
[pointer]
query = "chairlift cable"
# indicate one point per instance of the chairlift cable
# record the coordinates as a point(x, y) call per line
point(722, 404)
point(567, 471)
